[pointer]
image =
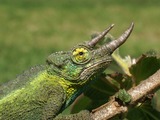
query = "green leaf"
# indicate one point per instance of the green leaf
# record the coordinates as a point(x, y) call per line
point(124, 81)
point(123, 96)
point(149, 111)
point(82, 103)
point(156, 101)
point(124, 63)
point(145, 67)
point(143, 112)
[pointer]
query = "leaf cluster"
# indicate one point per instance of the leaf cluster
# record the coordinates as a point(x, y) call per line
point(129, 73)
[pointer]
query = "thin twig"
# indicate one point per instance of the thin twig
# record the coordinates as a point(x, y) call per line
point(113, 108)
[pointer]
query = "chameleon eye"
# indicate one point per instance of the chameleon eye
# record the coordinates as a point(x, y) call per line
point(81, 55)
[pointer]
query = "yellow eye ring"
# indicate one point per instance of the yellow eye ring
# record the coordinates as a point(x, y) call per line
point(81, 55)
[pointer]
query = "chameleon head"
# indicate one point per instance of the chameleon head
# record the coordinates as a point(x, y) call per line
point(84, 61)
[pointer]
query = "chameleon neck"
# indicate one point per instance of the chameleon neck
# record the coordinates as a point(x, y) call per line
point(71, 89)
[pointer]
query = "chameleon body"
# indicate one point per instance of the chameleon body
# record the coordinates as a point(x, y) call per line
point(43, 92)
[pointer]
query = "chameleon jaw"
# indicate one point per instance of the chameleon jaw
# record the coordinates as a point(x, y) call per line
point(94, 68)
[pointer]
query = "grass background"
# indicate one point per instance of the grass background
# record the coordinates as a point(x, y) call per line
point(32, 29)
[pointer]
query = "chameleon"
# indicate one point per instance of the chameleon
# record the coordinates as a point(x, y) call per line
point(44, 91)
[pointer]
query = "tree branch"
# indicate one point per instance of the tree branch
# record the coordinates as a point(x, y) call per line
point(113, 108)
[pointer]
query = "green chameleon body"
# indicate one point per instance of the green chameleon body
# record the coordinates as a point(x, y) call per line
point(43, 92)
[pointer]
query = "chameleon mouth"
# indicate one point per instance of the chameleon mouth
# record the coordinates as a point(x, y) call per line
point(94, 68)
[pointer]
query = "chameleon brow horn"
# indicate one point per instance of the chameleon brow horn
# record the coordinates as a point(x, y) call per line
point(95, 40)
point(113, 45)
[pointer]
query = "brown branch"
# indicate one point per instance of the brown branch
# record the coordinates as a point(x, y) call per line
point(113, 108)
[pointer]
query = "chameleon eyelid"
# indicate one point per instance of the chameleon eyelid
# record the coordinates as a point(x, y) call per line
point(75, 54)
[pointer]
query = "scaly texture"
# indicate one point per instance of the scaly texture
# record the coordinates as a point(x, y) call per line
point(36, 99)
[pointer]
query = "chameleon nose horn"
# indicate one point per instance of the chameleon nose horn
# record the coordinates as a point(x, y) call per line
point(113, 45)
point(95, 40)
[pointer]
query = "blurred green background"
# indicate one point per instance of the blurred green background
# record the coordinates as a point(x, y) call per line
point(32, 29)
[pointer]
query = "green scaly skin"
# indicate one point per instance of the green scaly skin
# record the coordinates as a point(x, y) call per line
point(43, 92)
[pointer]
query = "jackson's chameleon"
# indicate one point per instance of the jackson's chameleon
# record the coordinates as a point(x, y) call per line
point(43, 92)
